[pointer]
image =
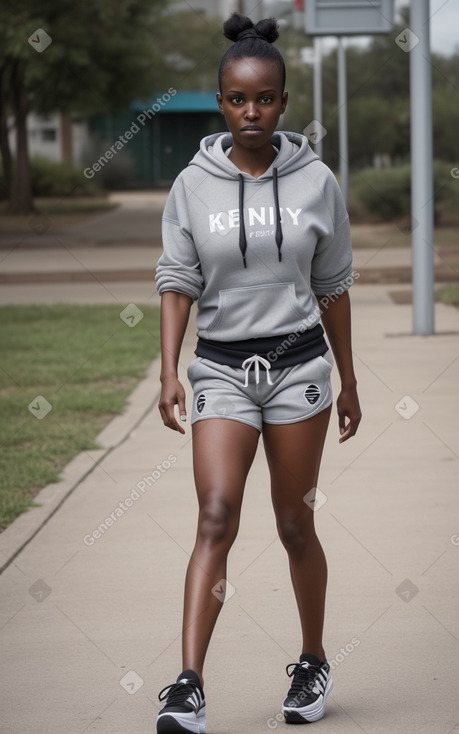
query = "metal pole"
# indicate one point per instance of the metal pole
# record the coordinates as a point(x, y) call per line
point(342, 108)
point(318, 148)
point(421, 169)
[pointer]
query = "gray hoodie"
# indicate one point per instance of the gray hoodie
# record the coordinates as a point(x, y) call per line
point(254, 251)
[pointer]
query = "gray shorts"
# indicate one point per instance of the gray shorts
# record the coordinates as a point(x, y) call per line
point(258, 394)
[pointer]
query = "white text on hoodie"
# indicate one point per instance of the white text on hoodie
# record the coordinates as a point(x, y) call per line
point(264, 215)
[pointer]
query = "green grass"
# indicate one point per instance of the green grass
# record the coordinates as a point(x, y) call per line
point(62, 211)
point(85, 361)
point(448, 294)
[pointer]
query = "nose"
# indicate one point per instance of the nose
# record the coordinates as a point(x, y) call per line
point(251, 111)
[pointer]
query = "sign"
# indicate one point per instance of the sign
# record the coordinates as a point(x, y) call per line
point(345, 18)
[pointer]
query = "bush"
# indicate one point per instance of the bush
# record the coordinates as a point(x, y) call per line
point(115, 174)
point(51, 178)
point(386, 192)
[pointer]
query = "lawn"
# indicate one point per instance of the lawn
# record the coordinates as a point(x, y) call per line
point(63, 211)
point(448, 294)
point(65, 372)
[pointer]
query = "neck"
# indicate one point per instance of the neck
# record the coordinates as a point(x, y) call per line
point(254, 162)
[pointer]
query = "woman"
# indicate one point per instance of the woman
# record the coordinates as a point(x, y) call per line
point(255, 229)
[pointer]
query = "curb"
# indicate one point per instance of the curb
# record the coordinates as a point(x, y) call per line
point(49, 500)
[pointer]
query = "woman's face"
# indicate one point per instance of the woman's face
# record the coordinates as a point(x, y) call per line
point(252, 101)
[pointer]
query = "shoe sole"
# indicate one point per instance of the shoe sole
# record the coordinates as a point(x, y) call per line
point(309, 713)
point(169, 724)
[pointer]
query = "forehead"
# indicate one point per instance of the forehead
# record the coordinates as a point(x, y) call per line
point(251, 73)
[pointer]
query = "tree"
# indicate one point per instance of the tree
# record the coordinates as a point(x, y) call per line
point(191, 46)
point(74, 57)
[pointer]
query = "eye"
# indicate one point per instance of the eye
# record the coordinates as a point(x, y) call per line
point(266, 99)
point(236, 100)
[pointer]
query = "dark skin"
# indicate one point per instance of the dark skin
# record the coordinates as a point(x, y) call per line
point(255, 103)
point(223, 450)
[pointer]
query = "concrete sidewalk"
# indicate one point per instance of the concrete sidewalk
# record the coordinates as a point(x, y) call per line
point(90, 621)
point(102, 254)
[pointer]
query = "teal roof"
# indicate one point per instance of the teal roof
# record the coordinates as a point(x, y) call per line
point(182, 102)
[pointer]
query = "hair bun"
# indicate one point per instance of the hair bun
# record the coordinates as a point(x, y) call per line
point(238, 25)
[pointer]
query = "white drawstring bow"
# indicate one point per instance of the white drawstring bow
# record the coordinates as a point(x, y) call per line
point(256, 360)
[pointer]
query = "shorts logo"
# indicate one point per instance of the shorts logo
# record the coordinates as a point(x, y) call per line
point(200, 403)
point(312, 394)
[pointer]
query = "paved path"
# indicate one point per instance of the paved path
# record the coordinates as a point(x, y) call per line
point(90, 619)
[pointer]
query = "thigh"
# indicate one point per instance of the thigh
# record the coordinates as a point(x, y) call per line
point(294, 452)
point(223, 452)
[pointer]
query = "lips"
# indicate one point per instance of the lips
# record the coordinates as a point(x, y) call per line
point(251, 128)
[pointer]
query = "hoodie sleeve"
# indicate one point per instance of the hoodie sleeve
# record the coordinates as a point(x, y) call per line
point(178, 267)
point(331, 267)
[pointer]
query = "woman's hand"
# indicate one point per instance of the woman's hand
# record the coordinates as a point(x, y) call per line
point(172, 394)
point(348, 407)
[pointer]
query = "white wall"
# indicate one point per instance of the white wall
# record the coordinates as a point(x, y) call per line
point(44, 133)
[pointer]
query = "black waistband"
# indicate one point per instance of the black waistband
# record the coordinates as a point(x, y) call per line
point(280, 351)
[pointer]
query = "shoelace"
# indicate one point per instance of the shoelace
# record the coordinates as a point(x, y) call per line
point(304, 677)
point(256, 360)
point(177, 693)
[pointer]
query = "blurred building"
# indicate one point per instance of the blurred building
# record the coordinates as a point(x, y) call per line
point(162, 140)
point(54, 136)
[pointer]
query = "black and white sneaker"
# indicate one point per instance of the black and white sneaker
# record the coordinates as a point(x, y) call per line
point(312, 682)
point(185, 708)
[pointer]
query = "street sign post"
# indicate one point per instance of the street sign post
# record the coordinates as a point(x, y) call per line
point(416, 42)
point(345, 18)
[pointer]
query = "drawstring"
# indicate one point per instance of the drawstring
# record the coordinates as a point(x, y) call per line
point(279, 236)
point(242, 237)
point(242, 234)
point(256, 360)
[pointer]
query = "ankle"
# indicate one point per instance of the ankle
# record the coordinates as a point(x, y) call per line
point(318, 652)
point(198, 672)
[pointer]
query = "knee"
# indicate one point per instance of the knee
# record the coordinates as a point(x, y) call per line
point(295, 533)
point(217, 524)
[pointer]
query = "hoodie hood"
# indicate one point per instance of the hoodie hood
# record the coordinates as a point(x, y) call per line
point(293, 153)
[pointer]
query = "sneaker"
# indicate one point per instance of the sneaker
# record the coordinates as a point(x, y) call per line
point(185, 708)
point(312, 682)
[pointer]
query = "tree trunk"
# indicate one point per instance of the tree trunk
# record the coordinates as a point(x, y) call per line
point(66, 137)
point(21, 201)
point(4, 141)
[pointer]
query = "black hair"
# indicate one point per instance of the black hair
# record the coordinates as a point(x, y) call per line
point(251, 41)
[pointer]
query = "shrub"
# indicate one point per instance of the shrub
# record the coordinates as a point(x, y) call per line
point(115, 174)
point(386, 192)
point(51, 178)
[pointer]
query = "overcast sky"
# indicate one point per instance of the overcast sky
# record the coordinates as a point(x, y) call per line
point(444, 24)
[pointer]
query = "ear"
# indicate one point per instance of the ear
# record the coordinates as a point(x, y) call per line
point(284, 102)
point(219, 102)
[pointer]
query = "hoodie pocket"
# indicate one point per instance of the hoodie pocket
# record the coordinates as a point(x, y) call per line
point(252, 311)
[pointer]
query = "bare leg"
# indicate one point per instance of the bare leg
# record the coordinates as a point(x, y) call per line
point(223, 452)
point(294, 452)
